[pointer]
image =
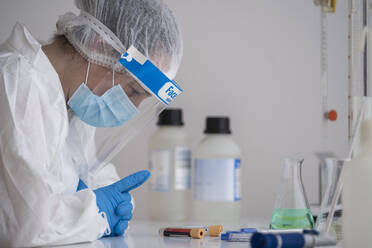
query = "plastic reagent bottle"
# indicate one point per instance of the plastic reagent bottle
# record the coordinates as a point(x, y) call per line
point(216, 174)
point(170, 166)
point(357, 192)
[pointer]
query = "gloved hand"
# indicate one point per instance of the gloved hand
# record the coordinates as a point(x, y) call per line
point(81, 185)
point(115, 201)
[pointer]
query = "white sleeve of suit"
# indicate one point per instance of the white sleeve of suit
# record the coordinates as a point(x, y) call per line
point(105, 176)
point(35, 209)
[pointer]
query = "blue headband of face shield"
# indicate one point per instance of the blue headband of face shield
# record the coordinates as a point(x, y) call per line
point(150, 77)
point(114, 108)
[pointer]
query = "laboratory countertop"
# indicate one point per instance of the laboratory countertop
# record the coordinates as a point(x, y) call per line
point(143, 234)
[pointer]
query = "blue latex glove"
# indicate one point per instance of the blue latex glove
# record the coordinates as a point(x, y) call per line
point(115, 201)
point(81, 185)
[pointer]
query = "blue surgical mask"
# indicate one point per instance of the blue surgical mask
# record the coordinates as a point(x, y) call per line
point(112, 109)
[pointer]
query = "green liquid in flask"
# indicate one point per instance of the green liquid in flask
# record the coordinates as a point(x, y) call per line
point(292, 218)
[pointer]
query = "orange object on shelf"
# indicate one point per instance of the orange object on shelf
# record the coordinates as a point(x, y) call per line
point(332, 115)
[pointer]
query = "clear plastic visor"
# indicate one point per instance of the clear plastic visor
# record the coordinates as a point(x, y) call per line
point(100, 80)
point(93, 147)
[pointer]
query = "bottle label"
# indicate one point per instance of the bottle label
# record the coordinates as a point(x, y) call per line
point(160, 162)
point(217, 180)
point(160, 167)
point(182, 168)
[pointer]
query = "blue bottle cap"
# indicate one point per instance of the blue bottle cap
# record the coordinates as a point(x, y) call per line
point(260, 240)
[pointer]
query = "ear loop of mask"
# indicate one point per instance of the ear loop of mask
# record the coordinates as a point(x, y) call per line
point(113, 78)
point(86, 75)
point(88, 69)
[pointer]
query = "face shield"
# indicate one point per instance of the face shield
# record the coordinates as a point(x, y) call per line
point(108, 110)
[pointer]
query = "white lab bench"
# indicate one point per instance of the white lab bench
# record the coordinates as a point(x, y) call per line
point(143, 234)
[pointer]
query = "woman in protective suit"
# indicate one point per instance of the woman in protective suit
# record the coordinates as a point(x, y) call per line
point(68, 107)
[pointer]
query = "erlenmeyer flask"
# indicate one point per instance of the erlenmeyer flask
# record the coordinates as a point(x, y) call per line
point(291, 206)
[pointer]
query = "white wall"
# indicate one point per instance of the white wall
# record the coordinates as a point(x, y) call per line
point(256, 61)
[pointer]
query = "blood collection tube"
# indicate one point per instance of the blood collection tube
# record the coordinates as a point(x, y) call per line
point(196, 233)
point(213, 231)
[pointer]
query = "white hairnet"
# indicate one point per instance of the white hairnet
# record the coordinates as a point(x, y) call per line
point(106, 28)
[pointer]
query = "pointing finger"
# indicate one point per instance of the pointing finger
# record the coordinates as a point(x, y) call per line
point(132, 181)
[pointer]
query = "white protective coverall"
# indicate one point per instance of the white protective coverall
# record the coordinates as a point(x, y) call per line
point(38, 173)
